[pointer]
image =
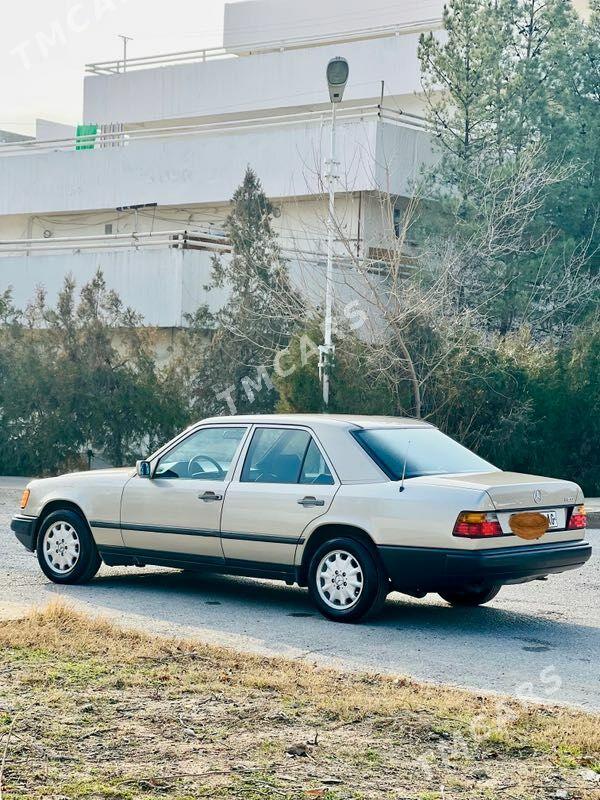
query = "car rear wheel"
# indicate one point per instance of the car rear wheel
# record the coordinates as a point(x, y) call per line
point(345, 580)
point(66, 550)
point(471, 596)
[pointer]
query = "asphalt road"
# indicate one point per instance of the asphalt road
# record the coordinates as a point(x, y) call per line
point(539, 640)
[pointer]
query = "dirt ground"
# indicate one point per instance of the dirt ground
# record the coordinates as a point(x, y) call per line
point(90, 711)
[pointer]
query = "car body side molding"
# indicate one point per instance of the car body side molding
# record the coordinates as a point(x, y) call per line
point(251, 537)
point(155, 529)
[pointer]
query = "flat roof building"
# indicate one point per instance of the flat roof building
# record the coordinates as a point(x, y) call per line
point(144, 197)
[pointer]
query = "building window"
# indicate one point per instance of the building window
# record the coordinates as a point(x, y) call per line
point(397, 222)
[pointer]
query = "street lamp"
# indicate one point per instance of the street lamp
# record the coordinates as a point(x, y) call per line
point(337, 78)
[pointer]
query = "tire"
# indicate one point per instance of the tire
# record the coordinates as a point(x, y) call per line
point(471, 597)
point(65, 549)
point(335, 602)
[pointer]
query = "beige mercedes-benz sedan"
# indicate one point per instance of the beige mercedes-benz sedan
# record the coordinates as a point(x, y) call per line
point(352, 507)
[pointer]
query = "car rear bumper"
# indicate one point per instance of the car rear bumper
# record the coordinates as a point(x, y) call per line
point(430, 569)
point(24, 529)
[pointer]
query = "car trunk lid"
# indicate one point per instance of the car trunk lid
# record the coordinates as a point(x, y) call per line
point(511, 492)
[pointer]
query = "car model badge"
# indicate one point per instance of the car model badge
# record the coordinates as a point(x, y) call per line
point(537, 496)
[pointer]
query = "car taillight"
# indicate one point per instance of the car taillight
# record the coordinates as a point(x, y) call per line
point(477, 525)
point(578, 519)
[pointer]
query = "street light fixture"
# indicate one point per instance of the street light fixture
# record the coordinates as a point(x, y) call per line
point(338, 71)
point(337, 78)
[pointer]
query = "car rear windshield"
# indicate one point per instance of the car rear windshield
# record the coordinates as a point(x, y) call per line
point(426, 451)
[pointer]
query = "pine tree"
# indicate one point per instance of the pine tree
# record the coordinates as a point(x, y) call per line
point(233, 369)
point(465, 87)
point(509, 97)
point(573, 135)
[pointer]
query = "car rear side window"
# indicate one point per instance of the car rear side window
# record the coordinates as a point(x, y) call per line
point(275, 455)
point(315, 469)
point(418, 451)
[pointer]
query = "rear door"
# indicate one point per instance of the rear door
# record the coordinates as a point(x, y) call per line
point(283, 483)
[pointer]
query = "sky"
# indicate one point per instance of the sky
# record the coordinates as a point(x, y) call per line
point(44, 45)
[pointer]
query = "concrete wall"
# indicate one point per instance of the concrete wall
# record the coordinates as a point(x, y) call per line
point(204, 169)
point(401, 157)
point(7, 137)
point(300, 224)
point(93, 223)
point(16, 227)
point(46, 129)
point(162, 285)
point(262, 21)
point(256, 84)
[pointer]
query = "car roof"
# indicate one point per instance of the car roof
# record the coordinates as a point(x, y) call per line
point(349, 421)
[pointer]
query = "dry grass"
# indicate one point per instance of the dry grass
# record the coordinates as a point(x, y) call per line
point(97, 712)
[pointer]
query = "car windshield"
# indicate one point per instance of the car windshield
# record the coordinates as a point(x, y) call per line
point(426, 451)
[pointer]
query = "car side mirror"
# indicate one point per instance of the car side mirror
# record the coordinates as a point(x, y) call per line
point(144, 469)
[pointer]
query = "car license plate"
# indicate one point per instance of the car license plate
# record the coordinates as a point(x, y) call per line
point(552, 518)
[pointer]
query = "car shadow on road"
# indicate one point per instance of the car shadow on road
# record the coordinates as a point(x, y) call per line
point(207, 600)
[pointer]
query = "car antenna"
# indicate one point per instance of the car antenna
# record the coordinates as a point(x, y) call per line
point(404, 466)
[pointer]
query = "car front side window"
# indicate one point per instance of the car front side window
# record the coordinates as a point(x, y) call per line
point(206, 454)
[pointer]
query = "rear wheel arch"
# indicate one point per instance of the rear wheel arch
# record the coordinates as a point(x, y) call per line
point(332, 531)
point(58, 505)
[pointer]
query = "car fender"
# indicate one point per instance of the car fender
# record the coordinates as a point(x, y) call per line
point(96, 494)
point(419, 516)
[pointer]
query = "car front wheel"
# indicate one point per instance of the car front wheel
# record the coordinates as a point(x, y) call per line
point(66, 550)
point(345, 580)
point(471, 596)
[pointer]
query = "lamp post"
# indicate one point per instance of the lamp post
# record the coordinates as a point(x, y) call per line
point(337, 77)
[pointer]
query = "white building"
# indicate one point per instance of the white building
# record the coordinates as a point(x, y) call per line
point(176, 133)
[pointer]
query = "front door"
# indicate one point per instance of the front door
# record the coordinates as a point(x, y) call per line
point(178, 510)
point(283, 485)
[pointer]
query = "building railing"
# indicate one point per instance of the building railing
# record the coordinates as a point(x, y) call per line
point(164, 59)
point(120, 66)
point(210, 241)
point(124, 137)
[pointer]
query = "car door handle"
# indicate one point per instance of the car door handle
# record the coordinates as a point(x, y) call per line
point(210, 497)
point(307, 502)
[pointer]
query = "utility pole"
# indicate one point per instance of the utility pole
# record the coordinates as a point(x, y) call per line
point(328, 348)
point(337, 77)
point(125, 40)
